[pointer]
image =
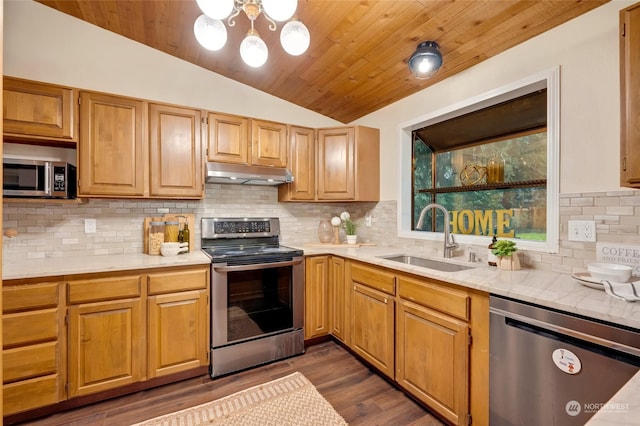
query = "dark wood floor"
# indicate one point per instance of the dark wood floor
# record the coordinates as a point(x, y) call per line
point(358, 394)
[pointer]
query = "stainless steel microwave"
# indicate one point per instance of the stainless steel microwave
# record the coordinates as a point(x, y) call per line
point(38, 178)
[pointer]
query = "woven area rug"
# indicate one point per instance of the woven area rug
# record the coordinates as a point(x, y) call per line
point(290, 400)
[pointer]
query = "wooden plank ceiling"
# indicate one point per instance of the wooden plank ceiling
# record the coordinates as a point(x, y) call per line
point(357, 61)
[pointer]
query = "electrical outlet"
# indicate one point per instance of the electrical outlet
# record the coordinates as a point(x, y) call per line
point(582, 230)
point(367, 221)
point(90, 226)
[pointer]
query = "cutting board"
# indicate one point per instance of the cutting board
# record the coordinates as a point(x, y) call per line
point(344, 245)
point(189, 217)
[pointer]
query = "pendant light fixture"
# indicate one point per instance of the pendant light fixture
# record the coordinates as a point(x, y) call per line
point(211, 32)
point(426, 60)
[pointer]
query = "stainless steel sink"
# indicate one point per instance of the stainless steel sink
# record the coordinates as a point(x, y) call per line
point(428, 263)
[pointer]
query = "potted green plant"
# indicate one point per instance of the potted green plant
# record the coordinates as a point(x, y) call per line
point(505, 251)
point(349, 227)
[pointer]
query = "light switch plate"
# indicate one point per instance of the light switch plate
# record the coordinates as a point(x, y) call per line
point(90, 226)
point(582, 230)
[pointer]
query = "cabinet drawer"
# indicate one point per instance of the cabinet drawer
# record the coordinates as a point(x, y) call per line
point(30, 296)
point(29, 327)
point(447, 300)
point(103, 289)
point(373, 277)
point(29, 361)
point(168, 282)
point(29, 394)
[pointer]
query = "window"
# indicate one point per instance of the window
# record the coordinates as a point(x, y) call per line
point(492, 162)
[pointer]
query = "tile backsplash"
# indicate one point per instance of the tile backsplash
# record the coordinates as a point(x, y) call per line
point(56, 230)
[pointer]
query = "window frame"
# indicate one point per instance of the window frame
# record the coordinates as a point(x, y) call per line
point(549, 79)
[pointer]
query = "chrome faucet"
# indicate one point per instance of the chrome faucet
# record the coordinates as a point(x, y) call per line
point(449, 242)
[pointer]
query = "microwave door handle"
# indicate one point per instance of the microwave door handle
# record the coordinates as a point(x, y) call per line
point(47, 178)
point(253, 267)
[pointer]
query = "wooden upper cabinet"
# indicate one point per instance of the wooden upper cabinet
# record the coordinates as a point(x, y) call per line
point(302, 163)
point(112, 155)
point(348, 164)
point(269, 144)
point(39, 111)
point(630, 96)
point(227, 138)
point(175, 152)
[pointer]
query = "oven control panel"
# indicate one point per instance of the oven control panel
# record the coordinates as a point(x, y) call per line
point(239, 227)
point(242, 227)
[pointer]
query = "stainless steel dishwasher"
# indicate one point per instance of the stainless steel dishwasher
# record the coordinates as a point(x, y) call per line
point(551, 368)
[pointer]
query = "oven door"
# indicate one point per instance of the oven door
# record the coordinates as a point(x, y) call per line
point(255, 301)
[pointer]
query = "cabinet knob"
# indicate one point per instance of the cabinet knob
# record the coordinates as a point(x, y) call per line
point(385, 300)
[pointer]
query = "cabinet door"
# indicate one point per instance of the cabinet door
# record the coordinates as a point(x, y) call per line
point(302, 162)
point(316, 302)
point(105, 349)
point(178, 331)
point(39, 110)
point(630, 96)
point(175, 152)
point(432, 359)
point(228, 139)
point(372, 334)
point(112, 155)
point(269, 146)
point(338, 297)
point(336, 164)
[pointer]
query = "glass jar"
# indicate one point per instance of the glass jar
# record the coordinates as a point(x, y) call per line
point(155, 237)
point(325, 231)
point(495, 169)
point(171, 230)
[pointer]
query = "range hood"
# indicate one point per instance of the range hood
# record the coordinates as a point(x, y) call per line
point(241, 174)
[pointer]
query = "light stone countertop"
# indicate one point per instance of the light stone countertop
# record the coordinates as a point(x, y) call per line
point(35, 268)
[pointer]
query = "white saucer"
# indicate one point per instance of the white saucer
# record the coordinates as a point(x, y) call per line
point(587, 280)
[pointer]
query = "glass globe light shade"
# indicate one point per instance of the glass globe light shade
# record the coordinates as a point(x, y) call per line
point(295, 38)
point(426, 60)
point(210, 33)
point(216, 9)
point(253, 50)
point(280, 10)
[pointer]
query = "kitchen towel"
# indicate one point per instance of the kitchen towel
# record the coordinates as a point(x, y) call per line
point(629, 291)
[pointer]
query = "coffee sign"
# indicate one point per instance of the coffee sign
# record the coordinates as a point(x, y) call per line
point(621, 254)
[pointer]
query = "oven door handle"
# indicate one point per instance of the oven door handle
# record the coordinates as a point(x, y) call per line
point(255, 266)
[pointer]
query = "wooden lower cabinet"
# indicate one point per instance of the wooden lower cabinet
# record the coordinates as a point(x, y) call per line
point(430, 336)
point(105, 349)
point(178, 321)
point(33, 333)
point(338, 300)
point(122, 332)
point(372, 331)
point(432, 359)
point(316, 316)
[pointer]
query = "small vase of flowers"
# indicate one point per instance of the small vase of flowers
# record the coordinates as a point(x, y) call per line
point(349, 227)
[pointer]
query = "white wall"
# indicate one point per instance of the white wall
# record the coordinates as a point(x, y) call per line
point(43, 44)
point(586, 49)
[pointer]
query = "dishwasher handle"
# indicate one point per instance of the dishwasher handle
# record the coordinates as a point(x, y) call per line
point(567, 331)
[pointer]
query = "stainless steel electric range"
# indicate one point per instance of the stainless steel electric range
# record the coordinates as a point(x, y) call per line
point(257, 293)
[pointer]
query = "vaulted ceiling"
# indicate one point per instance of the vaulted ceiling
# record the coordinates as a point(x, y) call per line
point(357, 61)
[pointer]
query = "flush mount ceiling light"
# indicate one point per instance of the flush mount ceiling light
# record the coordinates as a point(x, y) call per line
point(211, 32)
point(426, 60)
